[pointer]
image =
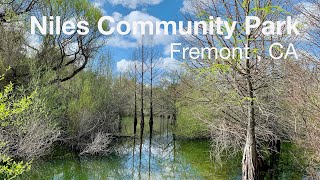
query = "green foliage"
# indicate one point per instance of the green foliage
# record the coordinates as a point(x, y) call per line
point(188, 126)
point(83, 9)
point(10, 107)
point(10, 15)
point(269, 9)
point(214, 70)
point(189, 123)
point(9, 168)
point(92, 93)
point(91, 100)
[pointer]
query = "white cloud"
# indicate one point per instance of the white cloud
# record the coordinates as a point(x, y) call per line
point(148, 39)
point(309, 14)
point(125, 66)
point(117, 16)
point(188, 6)
point(120, 41)
point(307, 18)
point(99, 4)
point(33, 40)
point(167, 50)
point(33, 43)
point(308, 7)
point(169, 64)
point(71, 48)
point(132, 4)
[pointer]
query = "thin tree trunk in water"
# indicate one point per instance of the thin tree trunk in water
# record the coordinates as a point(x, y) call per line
point(161, 126)
point(140, 151)
point(151, 100)
point(250, 158)
point(150, 143)
point(120, 123)
point(119, 110)
point(174, 115)
point(133, 151)
point(174, 146)
point(167, 128)
point(142, 81)
point(135, 121)
point(149, 162)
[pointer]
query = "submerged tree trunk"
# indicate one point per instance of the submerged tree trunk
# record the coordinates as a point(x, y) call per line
point(174, 115)
point(250, 155)
point(133, 153)
point(120, 123)
point(150, 154)
point(151, 93)
point(135, 121)
point(250, 158)
point(119, 109)
point(140, 152)
point(142, 81)
point(274, 148)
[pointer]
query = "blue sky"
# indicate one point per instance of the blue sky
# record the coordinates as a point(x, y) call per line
point(122, 47)
point(163, 9)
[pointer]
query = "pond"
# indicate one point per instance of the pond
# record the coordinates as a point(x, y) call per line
point(157, 155)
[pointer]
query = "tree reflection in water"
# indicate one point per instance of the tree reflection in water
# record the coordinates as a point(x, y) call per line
point(161, 155)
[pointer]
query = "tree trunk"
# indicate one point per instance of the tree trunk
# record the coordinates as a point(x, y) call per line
point(250, 157)
point(120, 123)
point(274, 148)
point(151, 100)
point(135, 121)
point(119, 110)
point(142, 81)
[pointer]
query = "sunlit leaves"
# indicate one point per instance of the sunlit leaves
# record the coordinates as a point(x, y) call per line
point(10, 106)
point(269, 9)
point(10, 169)
point(80, 9)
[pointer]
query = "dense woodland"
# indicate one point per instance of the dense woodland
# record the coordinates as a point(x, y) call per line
point(63, 91)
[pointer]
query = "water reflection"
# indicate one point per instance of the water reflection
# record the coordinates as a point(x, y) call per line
point(154, 154)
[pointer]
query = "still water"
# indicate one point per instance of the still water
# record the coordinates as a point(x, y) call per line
point(157, 155)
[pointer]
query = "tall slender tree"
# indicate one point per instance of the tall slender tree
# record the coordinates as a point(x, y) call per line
point(135, 121)
point(142, 83)
point(151, 93)
point(243, 78)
